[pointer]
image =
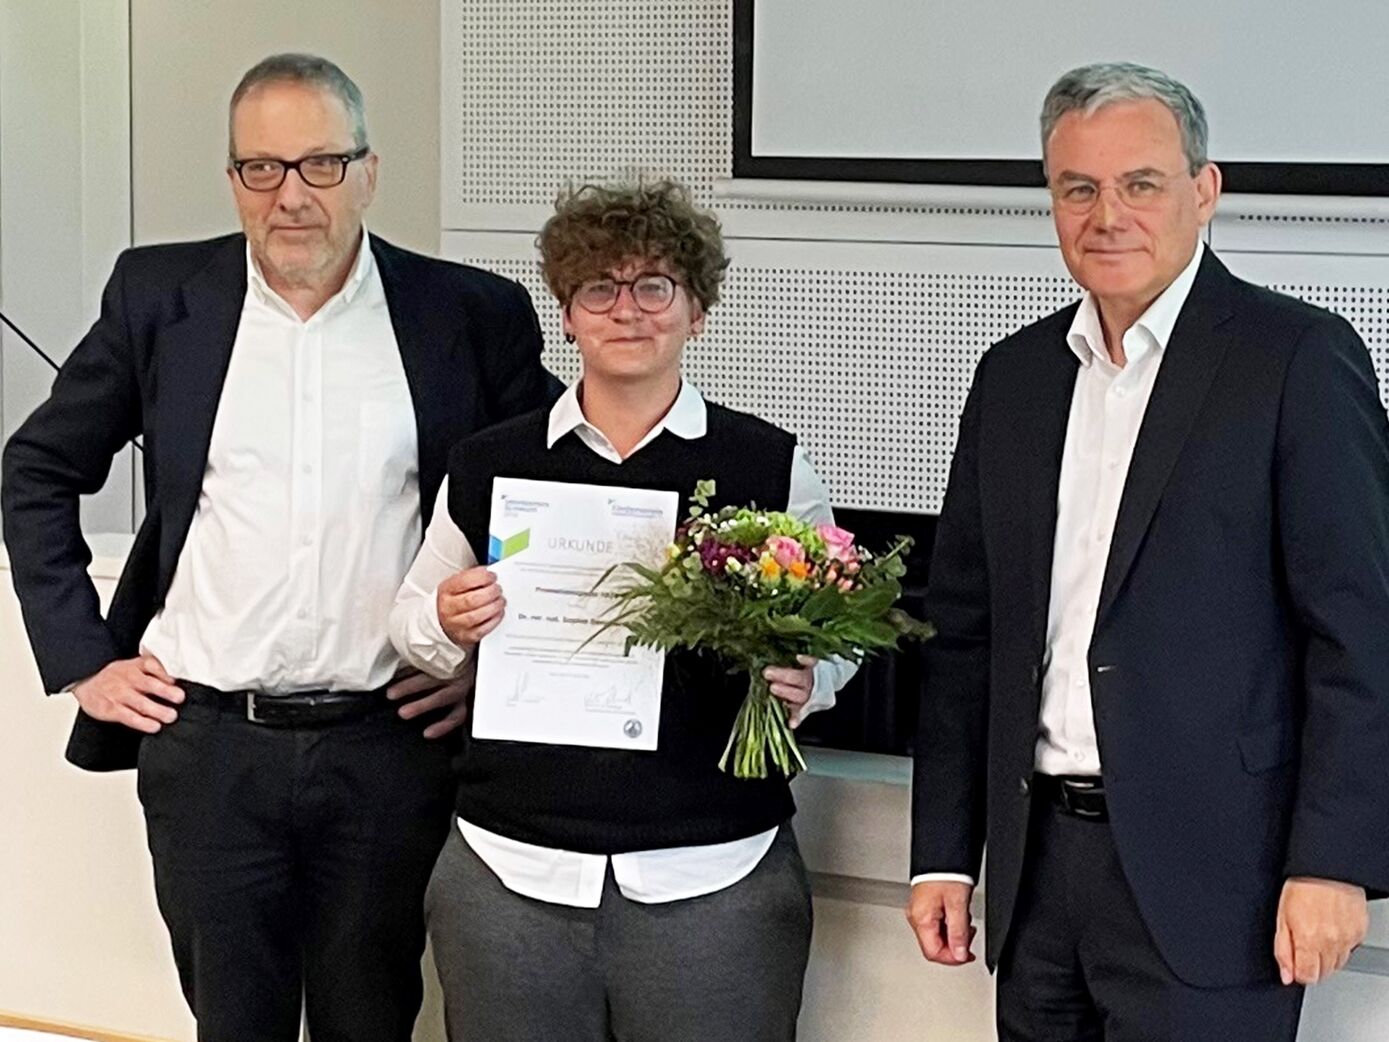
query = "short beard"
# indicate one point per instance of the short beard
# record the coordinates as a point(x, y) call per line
point(299, 276)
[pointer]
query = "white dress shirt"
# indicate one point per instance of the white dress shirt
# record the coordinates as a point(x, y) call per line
point(309, 512)
point(1107, 409)
point(563, 876)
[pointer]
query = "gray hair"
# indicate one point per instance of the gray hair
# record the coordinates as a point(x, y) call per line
point(1093, 86)
point(310, 70)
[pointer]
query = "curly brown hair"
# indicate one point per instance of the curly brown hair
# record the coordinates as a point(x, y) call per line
point(597, 228)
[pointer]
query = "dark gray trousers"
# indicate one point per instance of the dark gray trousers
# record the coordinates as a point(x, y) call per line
point(728, 965)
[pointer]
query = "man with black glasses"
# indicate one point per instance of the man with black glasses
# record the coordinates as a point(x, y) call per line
point(297, 388)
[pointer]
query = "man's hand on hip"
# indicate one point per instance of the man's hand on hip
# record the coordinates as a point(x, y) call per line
point(434, 694)
point(939, 913)
point(1320, 922)
point(124, 692)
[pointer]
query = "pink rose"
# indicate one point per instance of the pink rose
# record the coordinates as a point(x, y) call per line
point(786, 550)
point(839, 543)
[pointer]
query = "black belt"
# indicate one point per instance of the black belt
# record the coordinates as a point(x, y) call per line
point(300, 709)
point(1079, 796)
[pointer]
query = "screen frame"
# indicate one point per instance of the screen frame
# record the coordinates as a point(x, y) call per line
point(1265, 178)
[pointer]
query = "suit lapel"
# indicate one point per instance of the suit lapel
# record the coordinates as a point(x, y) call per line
point(192, 357)
point(1193, 356)
point(427, 332)
point(1041, 424)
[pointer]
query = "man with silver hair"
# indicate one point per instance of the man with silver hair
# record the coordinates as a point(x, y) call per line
point(297, 387)
point(1159, 693)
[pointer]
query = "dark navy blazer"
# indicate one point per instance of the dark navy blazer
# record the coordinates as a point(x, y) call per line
point(1239, 669)
point(153, 365)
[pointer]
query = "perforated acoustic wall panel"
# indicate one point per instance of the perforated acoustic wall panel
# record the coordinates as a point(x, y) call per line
point(546, 91)
point(857, 326)
point(543, 93)
point(1364, 307)
point(867, 356)
point(867, 351)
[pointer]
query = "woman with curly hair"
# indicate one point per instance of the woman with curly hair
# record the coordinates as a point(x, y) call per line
point(594, 893)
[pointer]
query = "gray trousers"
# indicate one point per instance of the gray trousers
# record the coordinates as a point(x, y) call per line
point(728, 965)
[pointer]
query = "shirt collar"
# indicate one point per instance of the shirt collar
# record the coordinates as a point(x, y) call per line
point(1086, 335)
point(687, 418)
point(362, 269)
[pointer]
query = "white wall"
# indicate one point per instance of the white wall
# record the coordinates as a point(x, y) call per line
point(113, 118)
point(80, 937)
point(64, 195)
point(187, 56)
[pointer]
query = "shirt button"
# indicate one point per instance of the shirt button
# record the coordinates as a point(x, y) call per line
point(1077, 756)
point(1112, 464)
point(1080, 683)
point(307, 540)
point(302, 613)
point(307, 468)
point(1100, 537)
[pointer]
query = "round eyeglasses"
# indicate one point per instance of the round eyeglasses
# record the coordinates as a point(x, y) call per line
point(652, 292)
point(1146, 190)
point(320, 171)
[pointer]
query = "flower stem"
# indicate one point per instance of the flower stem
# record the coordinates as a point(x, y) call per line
point(761, 727)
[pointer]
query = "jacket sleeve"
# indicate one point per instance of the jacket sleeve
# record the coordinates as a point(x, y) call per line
point(948, 786)
point(61, 452)
point(1332, 494)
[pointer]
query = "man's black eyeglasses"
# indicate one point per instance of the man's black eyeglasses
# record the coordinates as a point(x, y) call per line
point(322, 171)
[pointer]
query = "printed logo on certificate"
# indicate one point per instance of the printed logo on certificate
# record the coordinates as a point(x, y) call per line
point(549, 543)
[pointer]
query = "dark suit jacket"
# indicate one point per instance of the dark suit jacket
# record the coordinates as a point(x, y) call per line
point(153, 365)
point(1239, 668)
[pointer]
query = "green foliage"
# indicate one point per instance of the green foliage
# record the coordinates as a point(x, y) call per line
point(729, 588)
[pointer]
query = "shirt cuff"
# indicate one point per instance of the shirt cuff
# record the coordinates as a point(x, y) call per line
point(829, 676)
point(942, 877)
point(426, 646)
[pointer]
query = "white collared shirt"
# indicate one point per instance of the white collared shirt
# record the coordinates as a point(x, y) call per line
point(1107, 409)
point(309, 512)
point(563, 876)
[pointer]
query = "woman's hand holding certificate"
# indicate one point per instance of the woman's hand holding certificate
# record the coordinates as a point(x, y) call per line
point(470, 605)
point(546, 669)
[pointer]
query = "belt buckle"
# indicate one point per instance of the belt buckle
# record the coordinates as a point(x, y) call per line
point(1068, 790)
point(251, 713)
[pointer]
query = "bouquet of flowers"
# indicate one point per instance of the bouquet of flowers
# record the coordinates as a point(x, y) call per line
point(757, 588)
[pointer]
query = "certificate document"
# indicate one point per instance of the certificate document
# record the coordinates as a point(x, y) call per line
point(549, 543)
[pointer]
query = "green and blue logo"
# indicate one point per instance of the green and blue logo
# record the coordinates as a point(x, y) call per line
point(500, 549)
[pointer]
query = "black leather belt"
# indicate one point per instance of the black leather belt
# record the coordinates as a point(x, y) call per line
point(1078, 795)
point(301, 709)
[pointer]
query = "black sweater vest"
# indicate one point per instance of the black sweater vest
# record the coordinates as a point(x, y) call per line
point(611, 801)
